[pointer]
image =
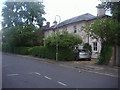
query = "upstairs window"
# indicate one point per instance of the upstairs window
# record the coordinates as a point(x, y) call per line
point(75, 29)
point(95, 46)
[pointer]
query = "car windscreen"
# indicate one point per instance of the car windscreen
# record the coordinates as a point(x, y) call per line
point(84, 50)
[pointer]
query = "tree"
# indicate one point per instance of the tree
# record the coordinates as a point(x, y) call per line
point(114, 7)
point(26, 35)
point(64, 39)
point(87, 46)
point(20, 13)
point(107, 30)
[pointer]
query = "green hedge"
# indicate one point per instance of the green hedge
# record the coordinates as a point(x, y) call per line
point(50, 53)
point(105, 55)
point(42, 52)
point(22, 50)
point(65, 54)
point(7, 48)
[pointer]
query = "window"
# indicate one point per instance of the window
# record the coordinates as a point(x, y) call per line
point(75, 29)
point(95, 46)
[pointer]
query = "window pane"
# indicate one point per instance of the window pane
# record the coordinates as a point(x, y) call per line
point(95, 46)
point(75, 29)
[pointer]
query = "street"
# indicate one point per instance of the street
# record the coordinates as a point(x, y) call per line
point(23, 72)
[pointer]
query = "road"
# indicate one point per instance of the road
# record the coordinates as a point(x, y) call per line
point(25, 72)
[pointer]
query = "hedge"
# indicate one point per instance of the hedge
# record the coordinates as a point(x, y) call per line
point(42, 52)
point(50, 53)
point(22, 50)
point(105, 55)
point(7, 48)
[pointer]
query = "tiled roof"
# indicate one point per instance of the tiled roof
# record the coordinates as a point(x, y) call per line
point(84, 17)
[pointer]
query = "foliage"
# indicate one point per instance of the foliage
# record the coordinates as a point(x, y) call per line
point(114, 7)
point(50, 53)
point(105, 54)
point(42, 52)
point(26, 35)
point(108, 30)
point(20, 13)
point(65, 54)
point(7, 48)
point(87, 46)
point(22, 50)
point(63, 39)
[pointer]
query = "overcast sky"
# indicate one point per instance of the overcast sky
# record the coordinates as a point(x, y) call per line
point(69, 8)
point(66, 8)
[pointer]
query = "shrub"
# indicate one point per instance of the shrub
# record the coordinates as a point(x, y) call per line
point(87, 46)
point(105, 55)
point(50, 53)
point(63, 39)
point(22, 50)
point(65, 54)
point(7, 48)
point(43, 52)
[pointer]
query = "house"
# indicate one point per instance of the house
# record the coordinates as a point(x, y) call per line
point(74, 25)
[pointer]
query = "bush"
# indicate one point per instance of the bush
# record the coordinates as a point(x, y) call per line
point(105, 55)
point(63, 39)
point(65, 54)
point(7, 48)
point(87, 46)
point(50, 53)
point(22, 50)
point(43, 52)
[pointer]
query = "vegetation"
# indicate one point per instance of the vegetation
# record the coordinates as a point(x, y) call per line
point(26, 35)
point(63, 39)
point(42, 52)
point(106, 54)
point(107, 30)
point(114, 7)
point(20, 13)
point(21, 21)
point(87, 46)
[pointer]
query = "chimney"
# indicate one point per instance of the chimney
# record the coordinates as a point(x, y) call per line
point(47, 24)
point(100, 10)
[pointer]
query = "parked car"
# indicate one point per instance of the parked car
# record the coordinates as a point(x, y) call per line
point(81, 54)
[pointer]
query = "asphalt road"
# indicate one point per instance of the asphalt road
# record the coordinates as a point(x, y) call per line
point(24, 72)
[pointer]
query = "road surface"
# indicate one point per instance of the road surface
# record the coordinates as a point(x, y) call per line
point(25, 72)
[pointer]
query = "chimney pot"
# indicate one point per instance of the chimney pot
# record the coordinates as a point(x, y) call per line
point(48, 24)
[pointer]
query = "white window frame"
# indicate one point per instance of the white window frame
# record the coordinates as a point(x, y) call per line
point(95, 44)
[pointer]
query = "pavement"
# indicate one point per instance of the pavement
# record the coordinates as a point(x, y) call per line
point(89, 66)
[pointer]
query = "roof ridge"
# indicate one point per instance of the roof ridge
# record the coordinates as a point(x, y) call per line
point(78, 16)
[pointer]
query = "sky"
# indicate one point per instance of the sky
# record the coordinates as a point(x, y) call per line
point(65, 9)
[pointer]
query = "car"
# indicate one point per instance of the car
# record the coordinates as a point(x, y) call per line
point(82, 54)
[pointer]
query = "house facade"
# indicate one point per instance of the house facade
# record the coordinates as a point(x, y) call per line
point(74, 25)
